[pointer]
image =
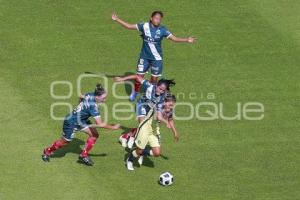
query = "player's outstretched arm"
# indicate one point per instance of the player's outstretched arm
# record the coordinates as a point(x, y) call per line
point(174, 130)
point(179, 39)
point(130, 77)
point(101, 124)
point(123, 23)
point(162, 119)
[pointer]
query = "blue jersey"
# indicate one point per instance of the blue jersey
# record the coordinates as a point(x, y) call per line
point(152, 37)
point(150, 97)
point(87, 108)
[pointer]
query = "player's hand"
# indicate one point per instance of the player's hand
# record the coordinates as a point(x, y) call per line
point(114, 16)
point(169, 125)
point(116, 126)
point(191, 39)
point(176, 138)
point(117, 79)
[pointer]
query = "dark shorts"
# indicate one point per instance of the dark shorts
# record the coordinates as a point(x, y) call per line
point(144, 65)
point(69, 129)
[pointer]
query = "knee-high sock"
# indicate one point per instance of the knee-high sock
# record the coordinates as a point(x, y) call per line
point(56, 145)
point(88, 146)
point(147, 152)
point(137, 86)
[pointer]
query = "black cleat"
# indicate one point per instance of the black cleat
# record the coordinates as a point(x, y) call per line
point(86, 160)
point(45, 157)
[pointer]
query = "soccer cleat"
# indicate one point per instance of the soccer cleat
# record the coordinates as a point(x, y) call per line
point(129, 165)
point(140, 160)
point(45, 157)
point(85, 160)
point(133, 95)
point(124, 142)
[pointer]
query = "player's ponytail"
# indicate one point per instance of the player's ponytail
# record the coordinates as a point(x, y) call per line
point(99, 90)
point(168, 83)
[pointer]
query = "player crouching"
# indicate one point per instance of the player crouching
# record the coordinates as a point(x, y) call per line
point(78, 120)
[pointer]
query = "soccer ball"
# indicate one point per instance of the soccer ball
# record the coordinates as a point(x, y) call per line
point(166, 179)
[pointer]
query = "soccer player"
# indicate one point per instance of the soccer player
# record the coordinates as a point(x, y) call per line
point(151, 56)
point(78, 120)
point(164, 112)
point(154, 93)
point(153, 98)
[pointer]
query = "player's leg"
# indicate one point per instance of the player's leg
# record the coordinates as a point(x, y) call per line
point(127, 139)
point(93, 135)
point(57, 144)
point(141, 140)
point(156, 70)
point(141, 112)
point(67, 136)
point(124, 138)
point(142, 68)
point(155, 149)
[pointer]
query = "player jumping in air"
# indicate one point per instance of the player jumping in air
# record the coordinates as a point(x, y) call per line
point(153, 99)
point(151, 56)
point(78, 120)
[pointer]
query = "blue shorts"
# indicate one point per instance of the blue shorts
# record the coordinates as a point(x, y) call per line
point(156, 66)
point(69, 129)
point(142, 109)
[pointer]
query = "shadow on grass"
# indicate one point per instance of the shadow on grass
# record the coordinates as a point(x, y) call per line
point(73, 147)
point(147, 162)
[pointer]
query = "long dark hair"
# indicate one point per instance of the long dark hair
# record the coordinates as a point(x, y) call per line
point(99, 90)
point(168, 83)
point(157, 12)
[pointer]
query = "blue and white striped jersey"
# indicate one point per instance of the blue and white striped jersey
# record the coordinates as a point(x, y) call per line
point(152, 37)
point(86, 108)
point(150, 97)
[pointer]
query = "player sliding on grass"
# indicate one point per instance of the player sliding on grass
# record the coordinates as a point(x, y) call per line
point(166, 112)
point(78, 120)
point(153, 98)
point(151, 55)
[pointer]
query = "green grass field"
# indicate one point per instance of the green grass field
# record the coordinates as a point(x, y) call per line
point(247, 51)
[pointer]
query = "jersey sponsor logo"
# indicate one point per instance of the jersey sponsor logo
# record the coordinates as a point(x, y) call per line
point(143, 111)
point(157, 34)
point(150, 40)
point(141, 61)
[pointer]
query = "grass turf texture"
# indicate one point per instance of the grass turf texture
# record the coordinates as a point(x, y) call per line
point(247, 51)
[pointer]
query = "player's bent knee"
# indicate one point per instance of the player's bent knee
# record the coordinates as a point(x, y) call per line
point(156, 152)
point(94, 132)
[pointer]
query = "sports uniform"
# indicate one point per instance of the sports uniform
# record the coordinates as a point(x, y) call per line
point(151, 55)
point(78, 119)
point(149, 100)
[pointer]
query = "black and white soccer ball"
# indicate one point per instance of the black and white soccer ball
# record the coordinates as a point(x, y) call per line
point(166, 179)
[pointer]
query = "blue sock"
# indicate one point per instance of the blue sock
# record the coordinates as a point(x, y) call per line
point(146, 152)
